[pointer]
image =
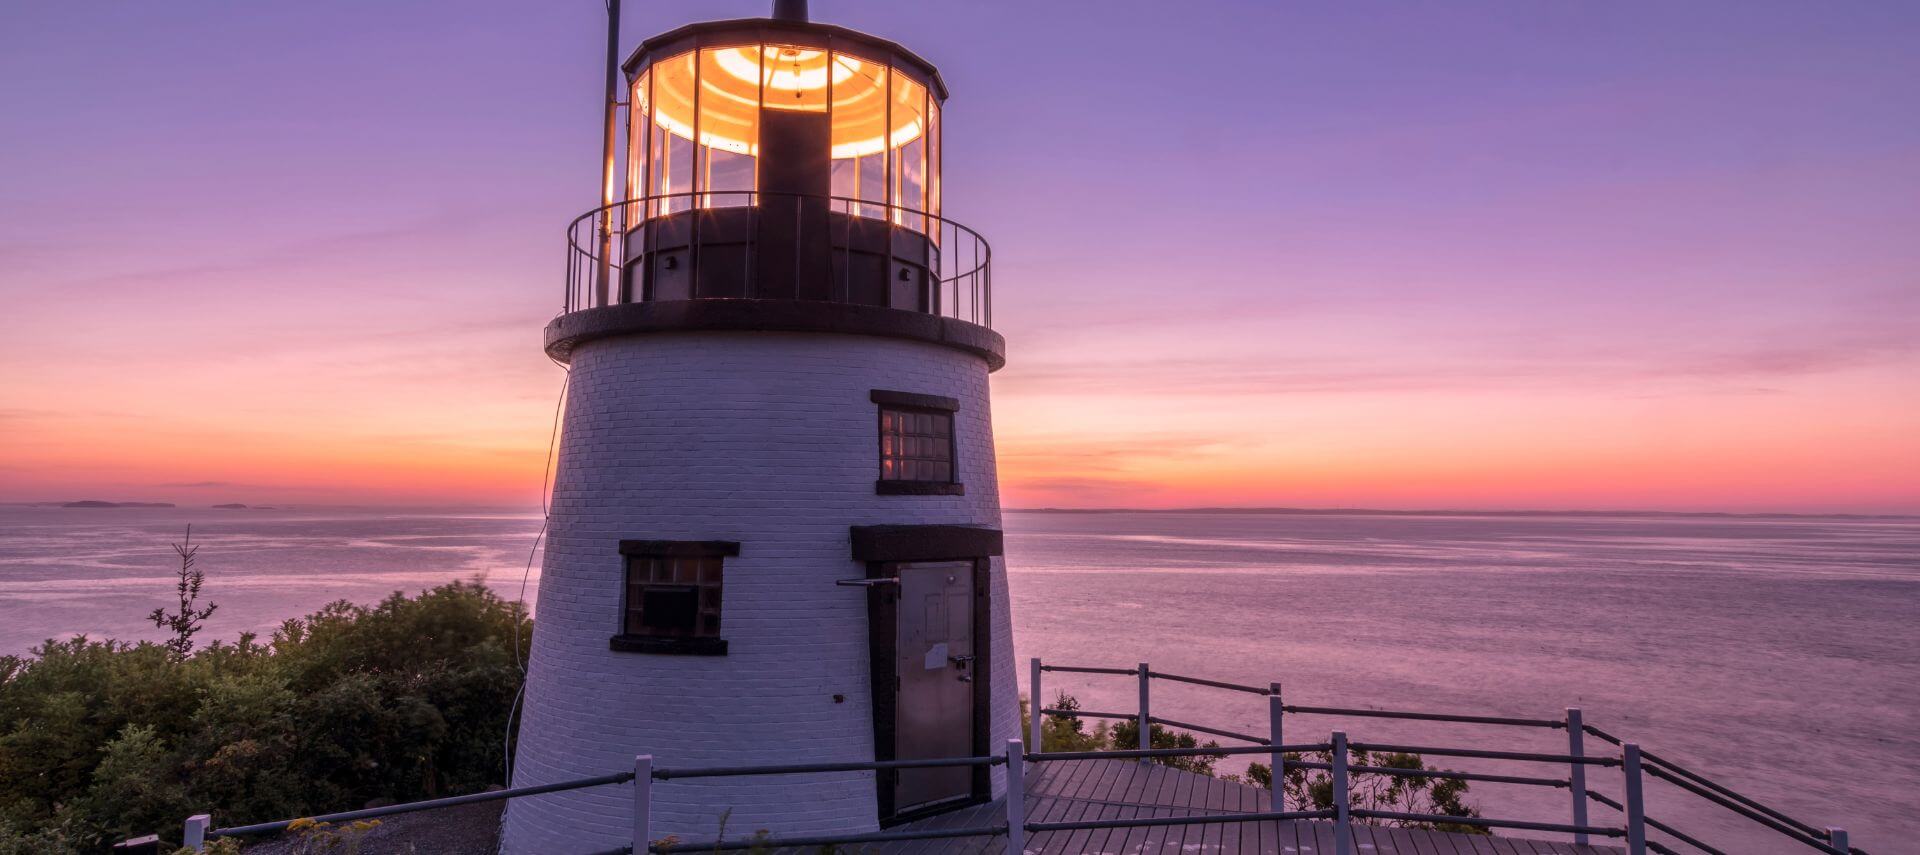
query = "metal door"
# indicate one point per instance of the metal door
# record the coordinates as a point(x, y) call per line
point(934, 661)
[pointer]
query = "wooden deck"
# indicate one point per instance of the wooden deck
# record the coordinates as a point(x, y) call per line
point(1066, 791)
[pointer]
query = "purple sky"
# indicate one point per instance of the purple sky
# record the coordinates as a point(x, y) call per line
point(1520, 254)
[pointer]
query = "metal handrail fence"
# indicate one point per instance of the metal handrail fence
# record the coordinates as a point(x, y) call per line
point(1832, 840)
point(1635, 766)
point(961, 259)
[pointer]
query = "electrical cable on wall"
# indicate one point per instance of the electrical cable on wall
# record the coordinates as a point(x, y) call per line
point(520, 602)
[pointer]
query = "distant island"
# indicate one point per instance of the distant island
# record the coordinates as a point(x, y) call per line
point(95, 503)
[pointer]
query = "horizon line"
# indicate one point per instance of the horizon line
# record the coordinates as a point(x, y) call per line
point(1279, 510)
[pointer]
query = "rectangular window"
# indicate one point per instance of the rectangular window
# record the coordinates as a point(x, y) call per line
point(917, 444)
point(672, 599)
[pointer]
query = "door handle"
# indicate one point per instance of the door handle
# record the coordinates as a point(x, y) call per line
point(867, 583)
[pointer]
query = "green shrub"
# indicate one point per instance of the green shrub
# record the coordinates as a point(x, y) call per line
point(1067, 733)
point(1372, 790)
point(1376, 790)
point(404, 700)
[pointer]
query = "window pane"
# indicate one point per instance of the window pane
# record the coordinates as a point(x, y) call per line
point(729, 124)
point(668, 596)
point(670, 611)
point(909, 145)
point(673, 125)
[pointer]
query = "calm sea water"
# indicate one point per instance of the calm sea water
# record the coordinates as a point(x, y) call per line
point(1779, 656)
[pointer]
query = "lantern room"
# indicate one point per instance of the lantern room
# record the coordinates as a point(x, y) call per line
point(780, 159)
point(710, 127)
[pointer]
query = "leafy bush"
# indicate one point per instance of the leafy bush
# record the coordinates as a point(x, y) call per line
point(404, 700)
point(1067, 733)
point(1366, 790)
point(1375, 790)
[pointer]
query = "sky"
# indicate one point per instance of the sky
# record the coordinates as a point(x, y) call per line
point(1622, 255)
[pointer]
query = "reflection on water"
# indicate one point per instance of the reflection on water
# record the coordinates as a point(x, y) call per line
point(1781, 655)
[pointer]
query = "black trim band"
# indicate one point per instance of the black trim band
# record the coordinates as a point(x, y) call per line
point(802, 33)
point(925, 542)
point(572, 329)
point(680, 548)
point(915, 400)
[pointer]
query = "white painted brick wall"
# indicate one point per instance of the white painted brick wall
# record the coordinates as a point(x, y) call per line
point(768, 439)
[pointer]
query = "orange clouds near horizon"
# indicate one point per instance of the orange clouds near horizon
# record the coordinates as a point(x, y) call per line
point(1561, 258)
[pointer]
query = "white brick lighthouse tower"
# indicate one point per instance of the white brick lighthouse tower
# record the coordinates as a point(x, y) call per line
point(775, 531)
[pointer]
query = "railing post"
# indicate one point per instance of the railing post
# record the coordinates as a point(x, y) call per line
point(1146, 727)
point(1636, 806)
point(1837, 838)
point(1036, 722)
point(1577, 772)
point(1342, 818)
point(1278, 781)
point(194, 836)
point(642, 803)
point(1016, 798)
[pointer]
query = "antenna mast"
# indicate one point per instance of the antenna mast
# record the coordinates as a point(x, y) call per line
point(612, 107)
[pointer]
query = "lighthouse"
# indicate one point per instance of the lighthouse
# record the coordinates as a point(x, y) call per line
point(775, 527)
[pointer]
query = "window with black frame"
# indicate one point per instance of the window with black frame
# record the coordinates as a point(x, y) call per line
point(672, 596)
point(917, 444)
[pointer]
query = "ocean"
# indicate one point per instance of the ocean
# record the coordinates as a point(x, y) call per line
point(1780, 656)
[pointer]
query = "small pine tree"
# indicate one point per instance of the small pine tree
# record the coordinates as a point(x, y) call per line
point(187, 621)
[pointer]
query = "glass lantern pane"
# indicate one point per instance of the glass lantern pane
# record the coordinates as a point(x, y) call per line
point(908, 143)
point(729, 125)
point(638, 99)
point(857, 139)
point(673, 118)
point(933, 168)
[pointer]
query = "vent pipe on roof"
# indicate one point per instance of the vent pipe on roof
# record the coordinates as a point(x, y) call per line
point(790, 10)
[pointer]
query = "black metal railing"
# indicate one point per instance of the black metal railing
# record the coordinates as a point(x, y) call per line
point(1635, 766)
point(957, 261)
point(1646, 765)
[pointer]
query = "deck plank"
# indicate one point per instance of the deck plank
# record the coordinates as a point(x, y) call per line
point(1396, 840)
point(1121, 788)
point(1183, 796)
point(1095, 807)
point(1249, 832)
point(1121, 793)
point(1510, 846)
point(1046, 806)
point(1155, 789)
